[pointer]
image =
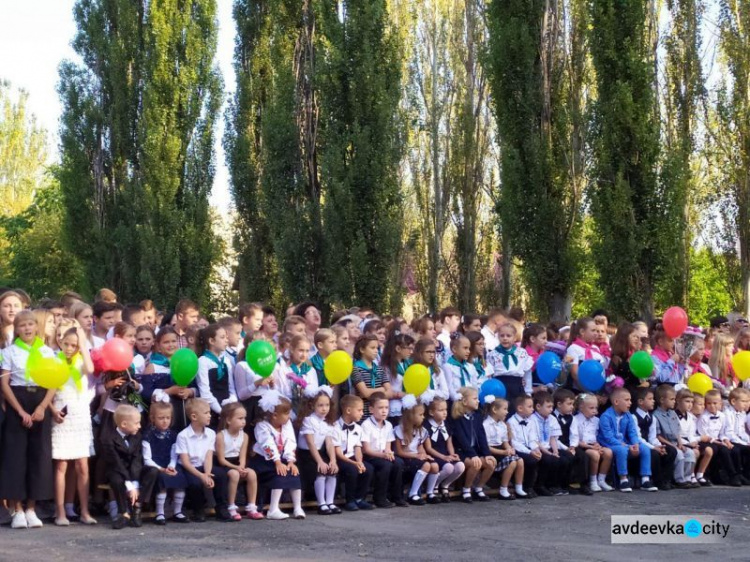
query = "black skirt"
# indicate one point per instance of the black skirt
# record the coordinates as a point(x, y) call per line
point(268, 478)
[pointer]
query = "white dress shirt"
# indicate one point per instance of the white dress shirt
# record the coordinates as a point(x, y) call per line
point(553, 429)
point(688, 431)
point(524, 436)
point(490, 338)
point(716, 426)
point(651, 441)
point(348, 438)
point(586, 429)
point(418, 437)
point(378, 436)
point(204, 386)
point(497, 432)
point(195, 445)
point(737, 422)
point(317, 427)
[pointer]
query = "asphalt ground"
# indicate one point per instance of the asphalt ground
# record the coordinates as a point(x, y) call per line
point(558, 528)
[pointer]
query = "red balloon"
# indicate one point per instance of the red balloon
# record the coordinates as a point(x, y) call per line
point(117, 355)
point(675, 321)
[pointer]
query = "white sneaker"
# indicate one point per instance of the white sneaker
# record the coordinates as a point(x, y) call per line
point(277, 515)
point(33, 521)
point(594, 487)
point(299, 514)
point(19, 521)
point(605, 487)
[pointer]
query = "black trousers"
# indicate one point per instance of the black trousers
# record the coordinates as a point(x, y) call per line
point(26, 460)
point(387, 479)
point(579, 466)
point(721, 462)
point(662, 466)
point(567, 462)
point(553, 472)
point(356, 485)
point(741, 459)
point(530, 469)
point(199, 496)
point(146, 480)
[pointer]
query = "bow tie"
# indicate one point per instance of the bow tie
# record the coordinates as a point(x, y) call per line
point(682, 416)
point(348, 427)
point(523, 423)
point(438, 430)
point(714, 417)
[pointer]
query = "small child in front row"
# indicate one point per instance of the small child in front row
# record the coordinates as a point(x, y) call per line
point(410, 438)
point(160, 453)
point(662, 457)
point(470, 441)
point(667, 425)
point(317, 454)
point(713, 423)
point(509, 464)
point(618, 432)
point(231, 454)
point(567, 442)
point(555, 466)
point(275, 461)
point(736, 411)
point(440, 446)
point(354, 471)
point(195, 447)
point(587, 439)
point(131, 482)
point(684, 407)
point(377, 440)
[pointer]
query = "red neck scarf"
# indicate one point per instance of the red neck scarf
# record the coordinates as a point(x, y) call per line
point(587, 348)
point(660, 354)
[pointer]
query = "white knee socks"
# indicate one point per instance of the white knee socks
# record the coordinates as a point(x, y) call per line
point(417, 482)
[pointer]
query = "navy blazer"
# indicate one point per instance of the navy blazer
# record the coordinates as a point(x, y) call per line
point(462, 431)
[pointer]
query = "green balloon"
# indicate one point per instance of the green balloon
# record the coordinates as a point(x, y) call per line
point(261, 356)
point(641, 364)
point(184, 366)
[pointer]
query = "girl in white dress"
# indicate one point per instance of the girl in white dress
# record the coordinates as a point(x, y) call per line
point(72, 437)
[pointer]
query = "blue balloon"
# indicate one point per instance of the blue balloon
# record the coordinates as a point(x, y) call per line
point(492, 387)
point(548, 367)
point(591, 375)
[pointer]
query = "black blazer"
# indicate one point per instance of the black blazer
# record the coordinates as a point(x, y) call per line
point(122, 459)
point(462, 433)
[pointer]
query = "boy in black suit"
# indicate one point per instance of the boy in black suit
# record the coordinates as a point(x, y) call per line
point(131, 482)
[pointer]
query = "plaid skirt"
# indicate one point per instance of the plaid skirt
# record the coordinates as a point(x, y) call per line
point(504, 462)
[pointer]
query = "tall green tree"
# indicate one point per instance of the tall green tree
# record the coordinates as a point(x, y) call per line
point(362, 148)
point(537, 75)
point(137, 139)
point(627, 204)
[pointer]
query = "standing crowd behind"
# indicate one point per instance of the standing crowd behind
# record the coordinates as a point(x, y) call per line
point(234, 441)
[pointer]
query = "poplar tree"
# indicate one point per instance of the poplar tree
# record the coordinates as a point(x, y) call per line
point(137, 134)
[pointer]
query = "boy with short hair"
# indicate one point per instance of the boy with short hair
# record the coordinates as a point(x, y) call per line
point(195, 448)
point(739, 402)
point(324, 344)
point(619, 432)
point(667, 424)
point(377, 443)
point(687, 406)
point(525, 440)
point(662, 457)
point(554, 473)
point(713, 423)
point(450, 318)
point(294, 325)
point(355, 472)
point(131, 482)
point(105, 318)
point(567, 442)
point(233, 328)
point(186, 315)
point(495, 318)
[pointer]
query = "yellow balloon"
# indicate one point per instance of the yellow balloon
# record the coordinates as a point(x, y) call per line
point(47, 372)
point(741, 364)
point(700, 383)
point(337, 367)
point(416, 379)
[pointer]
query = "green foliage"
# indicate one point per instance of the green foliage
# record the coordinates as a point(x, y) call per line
point(710, 293)
point(137, 145)
point(36, 255)
point(627, 203)
point(362, 148)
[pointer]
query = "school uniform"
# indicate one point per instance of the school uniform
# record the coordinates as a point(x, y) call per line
point(159, 452)
point(554, 471)
point(484, 370)
point(196, 446)
point(580, 351)
point(320, 430)
point(662, 466)
point(444, 337)
point(419, 436)
point(388, 475)
point(215, 383)
point(26, 460)
point(497, 435)
point(668, 427)
point(372, 377)
point(233, 354)
point(123, 455)
point(74, 437)
point(717, 427)
point(567, 441)
point(740, 440)
point(153, 389)
point(347, 438)
point(249, 391)
point(395, 407)
point(439, 434)
point(525, 439)
point(666, 370)
point(438, 383)
point(618, 432)
point(459, 374)
point(273, 445)
point(513, 368)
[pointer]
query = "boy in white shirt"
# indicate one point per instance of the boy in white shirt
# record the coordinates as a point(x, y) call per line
point(353, 469)
point(554, 468)
point(713, 423)
point(736, 411)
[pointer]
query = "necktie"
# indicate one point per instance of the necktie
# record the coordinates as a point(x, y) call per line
point(648, 418)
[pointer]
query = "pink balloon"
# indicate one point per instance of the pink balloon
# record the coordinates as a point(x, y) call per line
point(117, 355)
point(675, 321)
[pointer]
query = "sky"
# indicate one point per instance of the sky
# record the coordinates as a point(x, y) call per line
point(35, 36)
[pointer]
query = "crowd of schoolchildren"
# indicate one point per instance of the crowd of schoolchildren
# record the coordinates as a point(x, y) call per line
point(122, 440)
